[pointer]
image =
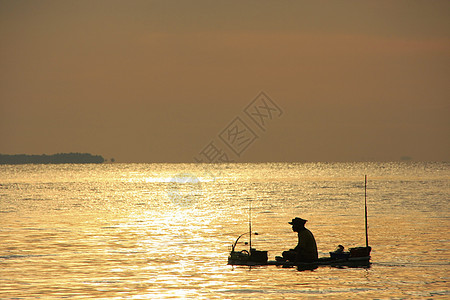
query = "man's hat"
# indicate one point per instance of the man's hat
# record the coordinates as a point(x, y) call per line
point(298, 221)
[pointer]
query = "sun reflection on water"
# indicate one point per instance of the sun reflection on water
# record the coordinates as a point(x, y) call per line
point(113, 231)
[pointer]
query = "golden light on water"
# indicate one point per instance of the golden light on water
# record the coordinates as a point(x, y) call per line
point(108, 231)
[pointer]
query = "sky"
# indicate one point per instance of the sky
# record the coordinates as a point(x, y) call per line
point(171, 81)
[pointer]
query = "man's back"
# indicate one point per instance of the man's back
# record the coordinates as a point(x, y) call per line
point(307, 247)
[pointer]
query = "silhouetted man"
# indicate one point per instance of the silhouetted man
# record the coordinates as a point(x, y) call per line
point(306, 250)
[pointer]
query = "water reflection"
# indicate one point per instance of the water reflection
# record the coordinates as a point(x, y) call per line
point(108, 231)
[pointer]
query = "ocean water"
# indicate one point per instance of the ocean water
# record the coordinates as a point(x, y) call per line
point(164, 231)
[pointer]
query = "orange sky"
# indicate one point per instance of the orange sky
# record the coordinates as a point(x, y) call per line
point(156, 81)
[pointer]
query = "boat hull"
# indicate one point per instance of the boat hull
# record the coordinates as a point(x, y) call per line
point(325, 261)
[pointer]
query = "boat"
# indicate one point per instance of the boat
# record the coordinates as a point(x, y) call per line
point(355, 257)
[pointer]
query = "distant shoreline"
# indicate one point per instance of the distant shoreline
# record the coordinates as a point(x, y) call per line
point(59, 158)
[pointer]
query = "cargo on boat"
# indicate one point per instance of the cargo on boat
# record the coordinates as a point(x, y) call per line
point(356, 257)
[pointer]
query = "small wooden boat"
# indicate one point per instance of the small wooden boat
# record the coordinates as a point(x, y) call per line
point(355, 257)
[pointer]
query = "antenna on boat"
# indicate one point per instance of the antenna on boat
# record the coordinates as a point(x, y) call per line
point(365, 208)
point(250, 222)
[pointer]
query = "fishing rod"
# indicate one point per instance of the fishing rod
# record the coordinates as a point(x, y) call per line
point(250, 223)
point(252, 255)
point(249, 229)
point(365, 209)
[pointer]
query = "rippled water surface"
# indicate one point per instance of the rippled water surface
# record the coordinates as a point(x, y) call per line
point(164, 230)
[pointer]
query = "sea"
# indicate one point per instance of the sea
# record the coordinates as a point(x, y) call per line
point(164, 231)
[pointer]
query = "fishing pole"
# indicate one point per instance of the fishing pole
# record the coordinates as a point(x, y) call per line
point(250, 223)
point(365, 209)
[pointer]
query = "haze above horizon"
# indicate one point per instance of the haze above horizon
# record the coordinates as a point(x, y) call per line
point(173, 81)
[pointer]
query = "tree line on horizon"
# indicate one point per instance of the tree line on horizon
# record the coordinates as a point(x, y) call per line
point(59, 158)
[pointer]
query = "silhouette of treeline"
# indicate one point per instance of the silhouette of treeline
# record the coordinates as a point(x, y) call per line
point(59, 158)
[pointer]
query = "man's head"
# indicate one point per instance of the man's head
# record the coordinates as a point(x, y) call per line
point(297, 224)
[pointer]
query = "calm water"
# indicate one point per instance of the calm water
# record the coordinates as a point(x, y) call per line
point(164, 230)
